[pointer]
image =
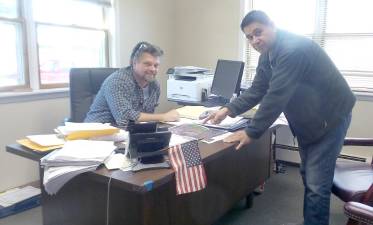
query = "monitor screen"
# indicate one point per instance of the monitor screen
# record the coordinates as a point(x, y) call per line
point(227, 78)
point(148, 144)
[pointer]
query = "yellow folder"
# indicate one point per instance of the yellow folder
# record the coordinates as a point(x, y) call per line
point(31, 145)
point(85, 134)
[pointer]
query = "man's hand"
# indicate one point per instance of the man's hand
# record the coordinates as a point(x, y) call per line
point(217, 116)
point(239, 136)
point(170, 116)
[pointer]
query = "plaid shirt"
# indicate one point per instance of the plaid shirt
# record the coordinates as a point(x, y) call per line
point(121, 99)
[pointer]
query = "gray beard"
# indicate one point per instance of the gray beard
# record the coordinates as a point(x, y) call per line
point(149, 78)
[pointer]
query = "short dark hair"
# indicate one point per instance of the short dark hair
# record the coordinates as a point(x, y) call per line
point(255, 16)
point(145, 47)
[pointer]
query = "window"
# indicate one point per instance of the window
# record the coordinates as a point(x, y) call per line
point(58, 35)
point(12, 63)
point(61, 48)
point(343, 28)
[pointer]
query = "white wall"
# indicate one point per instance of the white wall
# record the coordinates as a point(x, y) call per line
point(152, 21)
point(206, 31)
point(18, 120)
point(362, 127)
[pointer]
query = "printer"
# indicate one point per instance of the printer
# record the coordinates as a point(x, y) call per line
point(188, 84)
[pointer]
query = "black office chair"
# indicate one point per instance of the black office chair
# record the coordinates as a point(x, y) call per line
point(84, 85)
point(353, 184)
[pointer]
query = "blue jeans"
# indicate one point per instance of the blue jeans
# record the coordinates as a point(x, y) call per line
point(317, 170)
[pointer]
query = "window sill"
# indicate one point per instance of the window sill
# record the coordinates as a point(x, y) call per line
point(364, 96)
point(28, 96)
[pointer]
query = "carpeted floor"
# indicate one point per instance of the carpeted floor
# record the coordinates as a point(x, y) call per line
point(281, 202)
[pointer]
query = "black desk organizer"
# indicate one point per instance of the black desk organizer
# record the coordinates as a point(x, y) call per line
point(147, 143)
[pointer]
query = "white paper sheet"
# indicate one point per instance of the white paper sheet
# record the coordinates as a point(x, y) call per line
point(46, 139)
point(117, 161)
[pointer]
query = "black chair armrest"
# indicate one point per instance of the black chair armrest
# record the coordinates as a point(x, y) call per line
point(358, 141)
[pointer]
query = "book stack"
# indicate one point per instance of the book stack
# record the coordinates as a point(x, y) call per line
point(19, 199)
point(74, 158)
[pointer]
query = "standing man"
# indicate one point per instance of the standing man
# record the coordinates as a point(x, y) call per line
point(295, 76)
point(131, 93)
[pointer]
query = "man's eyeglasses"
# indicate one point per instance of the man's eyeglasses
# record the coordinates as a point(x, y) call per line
point(142, 46)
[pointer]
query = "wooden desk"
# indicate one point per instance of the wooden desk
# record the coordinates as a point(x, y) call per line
point(231, 175)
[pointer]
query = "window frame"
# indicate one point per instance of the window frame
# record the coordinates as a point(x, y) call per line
point(20, 20)
point(30, 50)
point(106, 45)
point(61, 85)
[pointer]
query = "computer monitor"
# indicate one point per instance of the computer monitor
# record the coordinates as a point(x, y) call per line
point(227, 78)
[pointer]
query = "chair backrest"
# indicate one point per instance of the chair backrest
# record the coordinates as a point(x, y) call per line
point(84, 85)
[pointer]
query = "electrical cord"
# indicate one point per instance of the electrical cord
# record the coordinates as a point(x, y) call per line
point(108, 200)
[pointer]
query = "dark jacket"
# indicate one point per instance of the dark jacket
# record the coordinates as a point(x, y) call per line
point(298, 78)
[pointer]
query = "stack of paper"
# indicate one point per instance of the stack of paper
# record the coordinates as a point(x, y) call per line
point(73, 131)
point(56, 177)
point(230, 123)
point(181, 70)
point(121, 136)
point(74, 158)
point(42, 142)
point(195, 131)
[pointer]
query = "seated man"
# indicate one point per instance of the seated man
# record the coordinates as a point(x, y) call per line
point(131, 93)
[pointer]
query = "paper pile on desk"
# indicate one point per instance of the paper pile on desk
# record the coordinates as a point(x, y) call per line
point(74, 131)
point(230, 123)
point(196, 131)
point(121, 136)
point(227, 123)
point(74, 158)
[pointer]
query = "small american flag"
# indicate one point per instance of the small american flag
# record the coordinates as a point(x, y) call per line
point(187, 164)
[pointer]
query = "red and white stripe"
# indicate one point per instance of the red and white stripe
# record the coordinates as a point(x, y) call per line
point(187, 179)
